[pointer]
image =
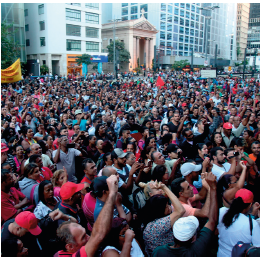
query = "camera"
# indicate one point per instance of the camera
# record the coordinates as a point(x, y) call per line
point(71, 145)
point(236, 153)
point(206, 155)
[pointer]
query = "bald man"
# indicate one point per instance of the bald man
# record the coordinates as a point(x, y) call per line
point(36, 149)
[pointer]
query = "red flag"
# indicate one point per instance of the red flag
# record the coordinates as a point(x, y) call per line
point(159, 82)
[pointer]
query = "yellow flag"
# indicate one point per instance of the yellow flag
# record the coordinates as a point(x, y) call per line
point(12, 73)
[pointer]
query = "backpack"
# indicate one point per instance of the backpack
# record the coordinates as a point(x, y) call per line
point(240, 249)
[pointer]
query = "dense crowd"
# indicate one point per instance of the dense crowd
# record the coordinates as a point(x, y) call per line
point(166, 164)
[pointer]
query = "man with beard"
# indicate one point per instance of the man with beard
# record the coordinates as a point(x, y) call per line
point(220, 167)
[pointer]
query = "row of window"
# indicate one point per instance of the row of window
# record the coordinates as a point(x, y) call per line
point(72, 45)
point(75, 30)
point(187, 24)
point(176, 18)
point(87, 5)
point(41, 25)
point(134, 9)
point(188, 7)
point(134, 17)
point(75, 15)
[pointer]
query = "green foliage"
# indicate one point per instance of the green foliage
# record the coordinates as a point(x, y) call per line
point(95, 66)
point(124, 54)
point(84, 59)
point(238, 50)
point(44, 69)
point(138, 69)
point(10, 50)
point(179, 65)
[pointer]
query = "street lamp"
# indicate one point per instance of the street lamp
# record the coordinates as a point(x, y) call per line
point(114, 36)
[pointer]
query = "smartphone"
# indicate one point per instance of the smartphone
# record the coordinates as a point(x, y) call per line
point(71, 145)
point(150, 163)
point(139, 160)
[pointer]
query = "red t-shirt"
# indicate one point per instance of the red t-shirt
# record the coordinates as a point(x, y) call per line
point(46, 174)
point(80, 253)
point(9, 201)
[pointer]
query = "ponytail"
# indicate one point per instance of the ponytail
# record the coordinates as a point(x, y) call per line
point(236, 207)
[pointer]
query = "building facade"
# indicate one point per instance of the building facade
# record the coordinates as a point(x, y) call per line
point(139, 37)
point(13, 13)
point(57, 33)
point(182, 27)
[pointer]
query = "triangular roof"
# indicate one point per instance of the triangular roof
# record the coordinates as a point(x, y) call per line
point(144, 24)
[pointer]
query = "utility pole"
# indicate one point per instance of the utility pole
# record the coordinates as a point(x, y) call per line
point(114, 46)
point(254, 61)
point(216, 53)
point(192, 59)
point(244, 68)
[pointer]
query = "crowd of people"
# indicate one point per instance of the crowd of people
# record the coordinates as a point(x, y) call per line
point(163, 165)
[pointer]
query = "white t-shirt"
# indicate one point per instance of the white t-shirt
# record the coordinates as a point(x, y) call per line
point(238, 231)
point(218, 171)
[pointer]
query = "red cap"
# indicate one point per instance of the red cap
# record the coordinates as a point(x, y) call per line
point(16, 108)
point(227, 126)
point(69, 188)
point(246, 195)
point(27, 220)
point(184, 104)
point(119, 112)
point(179, 87)
point(4, 147)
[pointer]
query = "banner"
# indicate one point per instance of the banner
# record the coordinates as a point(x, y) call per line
point(12, 73)
point(159, 82)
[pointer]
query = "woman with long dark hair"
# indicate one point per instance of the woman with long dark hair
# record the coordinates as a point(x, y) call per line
point(234, 224)
point(228, 185)
point(217, 140)
point(47, 200)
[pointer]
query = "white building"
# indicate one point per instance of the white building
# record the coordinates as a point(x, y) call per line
point(182, 27)
point(57, 33)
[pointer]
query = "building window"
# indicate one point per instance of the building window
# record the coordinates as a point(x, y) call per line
point(175, 37)
point(186, 39)
point(43, 62)
point(26, 27)
point(163, 7)
point(125, 11)
point(169, 8)
point(187, 23)
point(73, 45)
point(163, 16)
point(92, 32)
point(169, 27)
point(124, 4)
point(169, 36)
point(92, 46)
point(42, 41)
point(162, 35)
point(92, 6)
point(92, 18)
point(169, 18)
point(26, 12)
point(27, 42)
point(181, 30)
point(188, 6)
point(133, 17)
point(176, 11)
point(182, 5)
point(75, 4)
point(41, 9)
point(42, 25)
point(176, 20)
point(73, 30)
point(182, 13)
point(145, 7)
point(124, 18)
point(181, 38)
point(162, 26)
point(134, 9)
point(73, 15)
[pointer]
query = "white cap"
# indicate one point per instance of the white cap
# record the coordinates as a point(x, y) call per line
point(185, 228)
point(187, 168)
point(170, 105)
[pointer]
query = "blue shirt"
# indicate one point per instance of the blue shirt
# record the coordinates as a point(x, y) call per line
point(82, 125)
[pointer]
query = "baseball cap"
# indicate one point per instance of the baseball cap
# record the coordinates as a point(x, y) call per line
point(69, 122)
point(227, 126)
point(16, 108)
point(187, 168)
point(78, 111)
point(99, 184)
point(27, 220)
point(187, 122)
point(119, 152)
point(69, 188)
point(170, 105)
point(94, 106)
point(246, 195)
point(4, 147)
point(184, 104)
point(185, 228)
point(238, 100)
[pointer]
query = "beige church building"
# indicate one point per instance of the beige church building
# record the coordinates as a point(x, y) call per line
point(139, 37)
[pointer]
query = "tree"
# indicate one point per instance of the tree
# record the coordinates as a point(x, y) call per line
point(238, 50)
point(10, 49)
point(124, 54)
point(84, 59)
point(95, 66)
point(44, 69)
point(179, 65)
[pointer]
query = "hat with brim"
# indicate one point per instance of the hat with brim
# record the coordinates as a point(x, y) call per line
point(119, 152)
point(227, 126)
point(69, 189)
point(4, 147)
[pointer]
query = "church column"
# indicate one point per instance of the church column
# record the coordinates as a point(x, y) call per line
point(137, 50)
point(134, 53)
point(146, 52)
